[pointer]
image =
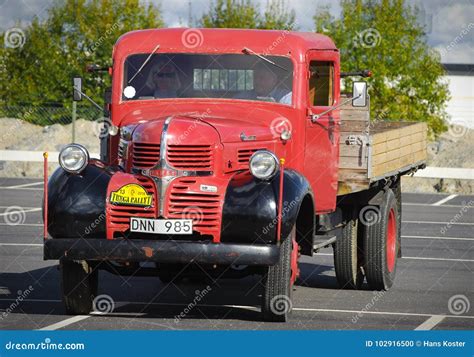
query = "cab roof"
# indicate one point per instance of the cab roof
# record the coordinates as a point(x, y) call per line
point(207, 40)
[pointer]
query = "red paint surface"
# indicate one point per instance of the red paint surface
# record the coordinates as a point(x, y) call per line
point(219, 123)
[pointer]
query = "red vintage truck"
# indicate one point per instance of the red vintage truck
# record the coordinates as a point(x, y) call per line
point(229, 153)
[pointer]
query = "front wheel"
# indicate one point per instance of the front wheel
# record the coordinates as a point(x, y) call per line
point(381, 243)
point(278, 283)
point(79, 283)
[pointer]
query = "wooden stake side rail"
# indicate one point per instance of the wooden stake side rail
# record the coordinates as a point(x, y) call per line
point(369, 151)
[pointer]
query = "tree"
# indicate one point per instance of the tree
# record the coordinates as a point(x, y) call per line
point(245, 14)
point(385, 37)
point(75, 33)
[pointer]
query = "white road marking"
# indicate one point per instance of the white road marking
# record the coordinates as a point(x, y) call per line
point(123, 303)
point(430, 205)
point(25, 185)
point(64, 323)
point(444, 200)
point(445, 223)
point(24, 207)
point(74, 319)
point(431, 322)
point(19, 211)
point(22, 188)
point(442, 259)
point(21, 244)
point(421, 258)
point(440, 238)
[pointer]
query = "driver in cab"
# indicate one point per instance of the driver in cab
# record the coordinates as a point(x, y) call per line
point(265, 87)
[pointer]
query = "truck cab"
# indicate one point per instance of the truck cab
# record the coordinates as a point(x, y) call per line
point(222, 150)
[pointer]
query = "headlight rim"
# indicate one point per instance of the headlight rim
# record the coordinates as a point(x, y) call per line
point(275, 158)
point(83, 150)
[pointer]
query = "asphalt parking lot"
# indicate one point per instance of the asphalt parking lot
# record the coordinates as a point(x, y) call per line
point(434, 287)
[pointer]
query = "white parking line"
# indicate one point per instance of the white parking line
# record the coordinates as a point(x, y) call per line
point(64, 323)
point(21, 188)
point(74, 319)
point(21, 244)
point(431, 322)
point(445, 223)
point(442, 259)
point(25, 185)
point(439, 238)
point(429, 204)
point(444, 200)
point(20, 211)
point(421, 258)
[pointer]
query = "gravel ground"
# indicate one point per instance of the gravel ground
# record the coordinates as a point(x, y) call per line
point(452, 149)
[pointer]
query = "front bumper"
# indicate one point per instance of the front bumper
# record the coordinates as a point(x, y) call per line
point(138, 250)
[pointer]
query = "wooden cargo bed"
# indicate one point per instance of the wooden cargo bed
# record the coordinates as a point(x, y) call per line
point(370, 151)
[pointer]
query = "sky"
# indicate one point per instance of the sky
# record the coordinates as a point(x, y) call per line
point(450, 23)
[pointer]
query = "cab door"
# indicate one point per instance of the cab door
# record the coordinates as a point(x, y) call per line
point(322, 129)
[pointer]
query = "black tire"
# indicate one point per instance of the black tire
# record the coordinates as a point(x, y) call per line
point(348, 258)
point(278, 288)
point(79, 282)
point(381, 244)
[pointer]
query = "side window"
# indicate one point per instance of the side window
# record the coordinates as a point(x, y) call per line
point(321, 83)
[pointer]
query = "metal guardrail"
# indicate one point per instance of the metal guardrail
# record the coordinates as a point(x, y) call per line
point(428, 172)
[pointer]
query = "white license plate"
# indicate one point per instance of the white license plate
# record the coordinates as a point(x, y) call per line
point(161, 226)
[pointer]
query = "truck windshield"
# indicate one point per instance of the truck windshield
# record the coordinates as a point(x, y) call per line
point(236, 76)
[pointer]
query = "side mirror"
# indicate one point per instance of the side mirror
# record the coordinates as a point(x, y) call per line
point(359, 94)
point(77, 89)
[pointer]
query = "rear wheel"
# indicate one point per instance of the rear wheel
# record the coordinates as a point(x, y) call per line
point(347, 257)
point(79, 283)
point(381, 243)
point(278, 282)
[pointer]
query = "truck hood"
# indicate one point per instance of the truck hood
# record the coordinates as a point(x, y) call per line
point(191, 127)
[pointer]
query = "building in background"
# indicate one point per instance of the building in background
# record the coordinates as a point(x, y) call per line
point(461, 86)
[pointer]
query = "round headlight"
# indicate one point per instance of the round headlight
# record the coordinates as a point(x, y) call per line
point(263, 164)
point(74, 158)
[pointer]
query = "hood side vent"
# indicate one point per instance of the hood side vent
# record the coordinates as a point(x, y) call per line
point(145, 155)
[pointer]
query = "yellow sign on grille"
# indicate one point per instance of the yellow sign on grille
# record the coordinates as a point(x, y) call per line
point(131, 194)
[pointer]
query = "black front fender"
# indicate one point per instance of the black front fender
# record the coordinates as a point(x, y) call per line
point(250, 207)
point(76, 203)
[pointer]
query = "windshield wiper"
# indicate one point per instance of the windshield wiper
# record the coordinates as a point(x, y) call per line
point(144, 64)
point(248, 51)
